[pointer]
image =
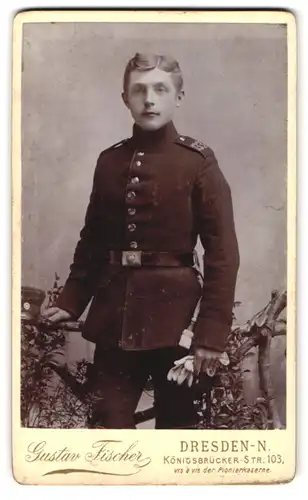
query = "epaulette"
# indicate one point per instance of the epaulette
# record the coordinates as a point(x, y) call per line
point(193, 144)
point(116, 145)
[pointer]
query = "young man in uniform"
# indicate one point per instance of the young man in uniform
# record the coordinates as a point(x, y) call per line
point(153, 195)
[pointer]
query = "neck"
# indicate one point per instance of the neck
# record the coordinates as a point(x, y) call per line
point(154, 138)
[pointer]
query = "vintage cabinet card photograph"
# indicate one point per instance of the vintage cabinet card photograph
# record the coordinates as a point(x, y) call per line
point(154, 207)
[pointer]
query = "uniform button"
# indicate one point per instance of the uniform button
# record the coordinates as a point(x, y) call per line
point(131, 195)
point(131, 211)
point(140, 153)
point(138, 163)
point(135, 180)
point(131, 227)
point(133, 244)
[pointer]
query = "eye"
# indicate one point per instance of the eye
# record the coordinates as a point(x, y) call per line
point(161, 89)
point(138, 89)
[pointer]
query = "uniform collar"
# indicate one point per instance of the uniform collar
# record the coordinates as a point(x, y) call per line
point(153, 139)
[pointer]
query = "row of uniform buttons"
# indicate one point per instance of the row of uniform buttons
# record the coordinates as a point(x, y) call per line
point(131, 227)
point(130, 196)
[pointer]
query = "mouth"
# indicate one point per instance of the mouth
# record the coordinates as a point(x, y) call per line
point(150, 114)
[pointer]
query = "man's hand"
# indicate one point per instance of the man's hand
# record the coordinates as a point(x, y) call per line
point(206, 360)
point(56, 315)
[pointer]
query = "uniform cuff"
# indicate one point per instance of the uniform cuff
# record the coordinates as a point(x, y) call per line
point(211, 334)
point(72, 299)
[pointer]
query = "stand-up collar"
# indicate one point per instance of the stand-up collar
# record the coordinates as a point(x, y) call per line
point(145, 139)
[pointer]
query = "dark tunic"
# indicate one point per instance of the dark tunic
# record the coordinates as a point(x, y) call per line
point(157, 191)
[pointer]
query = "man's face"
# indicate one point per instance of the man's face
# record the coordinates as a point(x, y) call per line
point(152, 98)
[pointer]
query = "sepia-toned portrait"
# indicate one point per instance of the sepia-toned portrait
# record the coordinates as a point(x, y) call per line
point(154, 168)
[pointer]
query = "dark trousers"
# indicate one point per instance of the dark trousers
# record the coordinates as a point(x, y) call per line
point(119, 378)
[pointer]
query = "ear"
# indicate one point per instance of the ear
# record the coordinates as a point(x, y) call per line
point(125, 100)
point(179, 98)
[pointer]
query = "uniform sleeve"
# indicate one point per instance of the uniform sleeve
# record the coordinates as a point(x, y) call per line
point(88, 259)
point(215, 226)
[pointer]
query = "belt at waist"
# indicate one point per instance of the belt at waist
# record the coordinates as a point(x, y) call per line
point(137, 258)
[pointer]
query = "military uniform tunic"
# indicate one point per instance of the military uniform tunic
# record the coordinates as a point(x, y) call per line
point(155, 192)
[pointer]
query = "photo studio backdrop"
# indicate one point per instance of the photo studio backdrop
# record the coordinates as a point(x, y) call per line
point(235, 79)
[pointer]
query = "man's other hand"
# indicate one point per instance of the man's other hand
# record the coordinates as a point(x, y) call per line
point(206, 360)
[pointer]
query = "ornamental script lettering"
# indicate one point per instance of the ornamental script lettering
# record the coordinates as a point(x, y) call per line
point(102, 451)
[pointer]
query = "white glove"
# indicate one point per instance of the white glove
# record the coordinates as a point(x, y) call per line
point(183, 369)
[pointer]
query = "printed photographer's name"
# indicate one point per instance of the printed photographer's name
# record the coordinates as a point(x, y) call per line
point(102, 451)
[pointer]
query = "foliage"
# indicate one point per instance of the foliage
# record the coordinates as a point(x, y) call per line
point(227, 408)
point(45, 400)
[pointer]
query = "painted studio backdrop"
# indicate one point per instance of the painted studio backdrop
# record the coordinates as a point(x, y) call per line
point(235, 81)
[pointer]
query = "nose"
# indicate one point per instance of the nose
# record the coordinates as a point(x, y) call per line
point(149, 98)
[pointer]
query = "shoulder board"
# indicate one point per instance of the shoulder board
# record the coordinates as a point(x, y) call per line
point(193, 144)
point(116, 145)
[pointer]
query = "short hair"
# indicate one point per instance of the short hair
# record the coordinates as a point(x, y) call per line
point(146, 62)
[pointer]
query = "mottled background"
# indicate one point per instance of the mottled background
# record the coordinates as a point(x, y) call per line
point(235, 79)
